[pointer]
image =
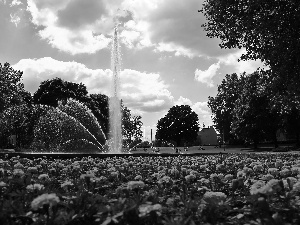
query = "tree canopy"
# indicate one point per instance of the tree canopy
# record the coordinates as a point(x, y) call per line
point(223, 104)
point(11, 88)
point(269, 31)
point(131, 126)
point(54, 90)
point(179, 125)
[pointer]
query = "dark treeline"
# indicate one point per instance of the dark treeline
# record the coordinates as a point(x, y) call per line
point(254, 107)
point(57, 109)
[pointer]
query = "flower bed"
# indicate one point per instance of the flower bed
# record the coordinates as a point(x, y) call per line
point(212, 189)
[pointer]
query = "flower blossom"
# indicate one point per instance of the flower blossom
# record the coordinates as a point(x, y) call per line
point(135, 184)
point(273, 171)
point(214, 198)
point(44, 199)
point(145, 209)
point(33, 187)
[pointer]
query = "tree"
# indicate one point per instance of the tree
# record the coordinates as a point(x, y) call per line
point(223, 104)
point(253, 117)
point(131, 126)
point(11, 88)
point(269, 31)
point(54, 90)
point(98, 104)
point(179, 125)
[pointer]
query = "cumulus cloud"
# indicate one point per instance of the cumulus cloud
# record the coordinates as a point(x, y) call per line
point(205, 76)
point(204, 113)
point(201, 108)
point(183, 101)
point(140, 91)
point(232, 60)
point(73, 26)
point(76, 26)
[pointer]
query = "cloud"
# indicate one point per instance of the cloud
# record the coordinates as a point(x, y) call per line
point(204, 113)
point(205, 76)
point(232, 60)
point(140, 91)
point(201, 108)
point(75, 26)
point(183, 101)
point(144, 91)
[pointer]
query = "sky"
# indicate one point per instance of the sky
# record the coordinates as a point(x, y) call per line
point(167, 59)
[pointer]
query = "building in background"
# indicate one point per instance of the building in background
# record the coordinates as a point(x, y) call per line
point(208, 136)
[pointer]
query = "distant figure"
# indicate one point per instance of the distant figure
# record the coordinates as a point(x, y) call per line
point(201, 148)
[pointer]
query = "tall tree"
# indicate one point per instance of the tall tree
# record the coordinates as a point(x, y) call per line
point(11, 88)
point(223, 104)
point(54, 90)
point(269, 31)
point(131, 126)
point(179, 125)
point(98, 104)
point(253, 117)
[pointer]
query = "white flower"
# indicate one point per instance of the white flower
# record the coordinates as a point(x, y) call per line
point(135, 184)
point(33, 187)
point(273, 171)
point(228, 177)
point(44, 199)
point(296, 187)
point(18, 172)
point(285, 172)
point(32, 170)
point(214, 198)
point(256, 187)
point(18, 166)
point(145, 209)
point(267, 177)
point(2, 184)
point(43, 177)
point(138, 177)
point(258, 168)
point(66, 184)
point(189, 178)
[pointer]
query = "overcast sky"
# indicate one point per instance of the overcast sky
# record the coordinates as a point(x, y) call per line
point(167, 59)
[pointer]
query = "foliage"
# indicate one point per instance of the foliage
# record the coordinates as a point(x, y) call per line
point(223, 104)
point(20, 121)
point(11, 88)
point(83, 115)
point(208, 189)
point(55, 128)
point(253, 119)
point(54, 90)
point(269, 31)
point(179, 125)
point(131, 126)
point(98, 104)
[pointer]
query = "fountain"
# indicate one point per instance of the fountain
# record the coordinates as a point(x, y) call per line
point(115, 115)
